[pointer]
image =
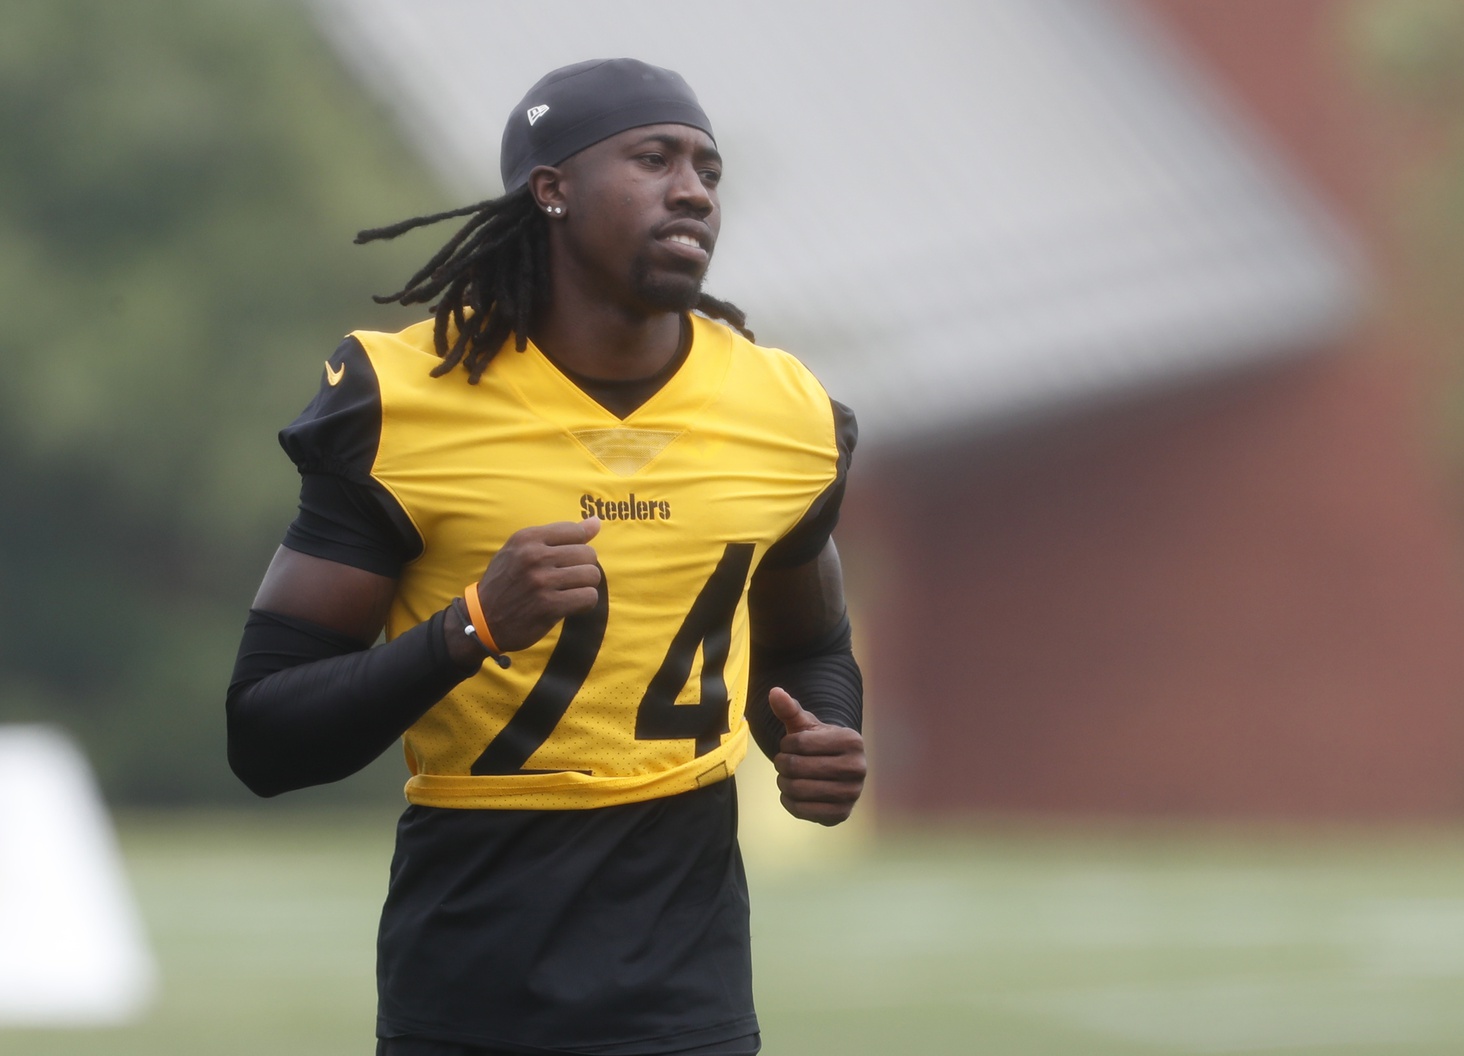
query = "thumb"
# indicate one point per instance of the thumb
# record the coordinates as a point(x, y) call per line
point(790, 712)
point(591, 526)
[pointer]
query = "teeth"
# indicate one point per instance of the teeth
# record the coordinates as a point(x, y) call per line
point(685, 240)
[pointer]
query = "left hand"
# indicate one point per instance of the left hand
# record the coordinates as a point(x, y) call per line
point(820, 767)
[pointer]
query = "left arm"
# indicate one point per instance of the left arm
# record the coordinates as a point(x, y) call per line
point(805, 699)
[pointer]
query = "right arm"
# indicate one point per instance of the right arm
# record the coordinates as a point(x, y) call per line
point(311, 701)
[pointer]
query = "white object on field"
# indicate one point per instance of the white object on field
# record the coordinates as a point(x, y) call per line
point(72, 948)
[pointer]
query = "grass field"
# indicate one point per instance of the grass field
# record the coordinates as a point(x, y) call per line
point(1128, 940)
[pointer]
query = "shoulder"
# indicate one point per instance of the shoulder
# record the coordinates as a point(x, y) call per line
point(340, 428)
point(774, 385)
point(763, 363)
point(412, 345)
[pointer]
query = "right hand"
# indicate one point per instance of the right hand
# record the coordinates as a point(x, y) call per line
point(541, 575)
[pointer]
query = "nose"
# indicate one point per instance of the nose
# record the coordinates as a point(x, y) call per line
point(689, 192)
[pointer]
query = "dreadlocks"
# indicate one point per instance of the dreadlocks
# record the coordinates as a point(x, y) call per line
point(490, 278)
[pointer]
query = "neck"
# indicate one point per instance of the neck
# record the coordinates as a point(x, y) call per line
point(600, 339)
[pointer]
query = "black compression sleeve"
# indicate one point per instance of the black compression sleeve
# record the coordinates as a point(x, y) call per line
point(823, 677)
point(308, 705)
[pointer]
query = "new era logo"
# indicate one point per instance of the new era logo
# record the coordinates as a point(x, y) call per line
point(536, 112)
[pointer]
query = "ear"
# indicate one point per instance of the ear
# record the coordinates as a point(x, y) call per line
point(546, 184)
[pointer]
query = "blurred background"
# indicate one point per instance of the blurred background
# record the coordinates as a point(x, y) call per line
point(1151, 314)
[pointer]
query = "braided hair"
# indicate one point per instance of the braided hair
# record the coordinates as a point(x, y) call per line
point(490, 278)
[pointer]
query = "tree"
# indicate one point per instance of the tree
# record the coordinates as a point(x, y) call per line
point(1411, 55)
point(179, 186)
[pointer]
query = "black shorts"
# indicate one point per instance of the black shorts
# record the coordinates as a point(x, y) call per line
point(620, 931)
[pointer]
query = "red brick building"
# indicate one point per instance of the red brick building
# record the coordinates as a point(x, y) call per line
point(1240, 597)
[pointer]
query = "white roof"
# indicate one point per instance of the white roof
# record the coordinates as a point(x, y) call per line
point(955, 211)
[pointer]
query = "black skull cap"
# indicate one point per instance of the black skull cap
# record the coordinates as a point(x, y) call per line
point(575, 107)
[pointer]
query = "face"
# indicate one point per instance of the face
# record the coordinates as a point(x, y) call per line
point(641, 214)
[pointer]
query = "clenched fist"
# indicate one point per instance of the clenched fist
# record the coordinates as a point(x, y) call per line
point(541, 575)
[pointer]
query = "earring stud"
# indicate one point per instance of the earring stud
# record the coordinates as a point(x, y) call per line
point(557, 210)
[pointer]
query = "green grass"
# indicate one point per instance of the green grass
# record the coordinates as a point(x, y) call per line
point(1040, 940)
point(1131, 942)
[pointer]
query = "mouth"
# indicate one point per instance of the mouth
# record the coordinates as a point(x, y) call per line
point(689, 244)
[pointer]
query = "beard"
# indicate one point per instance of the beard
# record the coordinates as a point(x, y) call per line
point(666, 291)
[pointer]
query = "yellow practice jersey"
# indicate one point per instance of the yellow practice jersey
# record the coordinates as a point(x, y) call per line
point(740, 453)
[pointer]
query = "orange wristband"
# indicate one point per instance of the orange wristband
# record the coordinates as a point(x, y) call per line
point(480, 621)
